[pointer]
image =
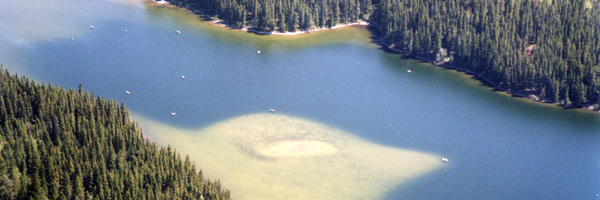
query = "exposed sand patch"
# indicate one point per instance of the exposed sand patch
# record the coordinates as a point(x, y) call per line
point(296, 149)
point(274, 156)
point(221, 23)
point(159, 1)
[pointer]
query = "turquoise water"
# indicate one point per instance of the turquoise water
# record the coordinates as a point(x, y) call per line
point(499, 147)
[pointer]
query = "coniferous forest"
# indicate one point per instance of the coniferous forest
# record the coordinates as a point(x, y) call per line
point(282, 15)
point(536, 48)
point(540, 49)
point(67, 144)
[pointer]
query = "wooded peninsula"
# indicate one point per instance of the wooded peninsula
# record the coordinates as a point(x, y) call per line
point(540, 49)
point(67, 144)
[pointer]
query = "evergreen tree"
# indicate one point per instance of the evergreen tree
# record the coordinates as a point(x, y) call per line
point(78, 147)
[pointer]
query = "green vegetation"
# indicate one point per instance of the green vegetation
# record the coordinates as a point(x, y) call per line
point(66, 144)
point(530, 48)
point(547, 50)
point(282, 15)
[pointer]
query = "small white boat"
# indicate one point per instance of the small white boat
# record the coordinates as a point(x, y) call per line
point(125, 30)
point(272, 110)
point(127, 92)
point(72, 38)
point(445, 159)
point(182, 77)
point(173, 114)
point(178, 32)
point(409, 71)
point(258, 51)
point(92, 27)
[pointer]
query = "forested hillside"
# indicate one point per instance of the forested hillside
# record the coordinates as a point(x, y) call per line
point(541, 49)
point(67, 144)
point(282, 15)
point(535, 48)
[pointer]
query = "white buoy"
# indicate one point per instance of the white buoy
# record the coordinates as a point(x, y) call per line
point(182, 77)
point(127, 92)
point(125, 30)
point(445, 159)
point(173, 114)
point(409, 71)
point(272, 110)
point(258, 51)
point(178, 32)
point(92, 27)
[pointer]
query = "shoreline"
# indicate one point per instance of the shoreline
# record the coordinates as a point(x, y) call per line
point(221, 23)
point(251, 30)
point(487, 82)
point(160, 2)
point(478, 76)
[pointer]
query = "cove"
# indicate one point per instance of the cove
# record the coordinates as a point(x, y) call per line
point(498, 147)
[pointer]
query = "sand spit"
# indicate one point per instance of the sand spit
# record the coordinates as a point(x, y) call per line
point(275, 156)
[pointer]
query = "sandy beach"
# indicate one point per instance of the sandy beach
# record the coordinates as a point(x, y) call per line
point(293, 33)
point(160, 2)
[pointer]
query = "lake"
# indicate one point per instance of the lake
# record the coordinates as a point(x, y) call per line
point(350, 121)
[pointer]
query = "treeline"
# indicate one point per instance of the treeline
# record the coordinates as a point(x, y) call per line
point(67, 144)
point(282, 15)
point(541, 49)
point(535, 48)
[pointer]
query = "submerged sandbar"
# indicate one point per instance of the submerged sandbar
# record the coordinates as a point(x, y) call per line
point(274, 156)
point(301, 148)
